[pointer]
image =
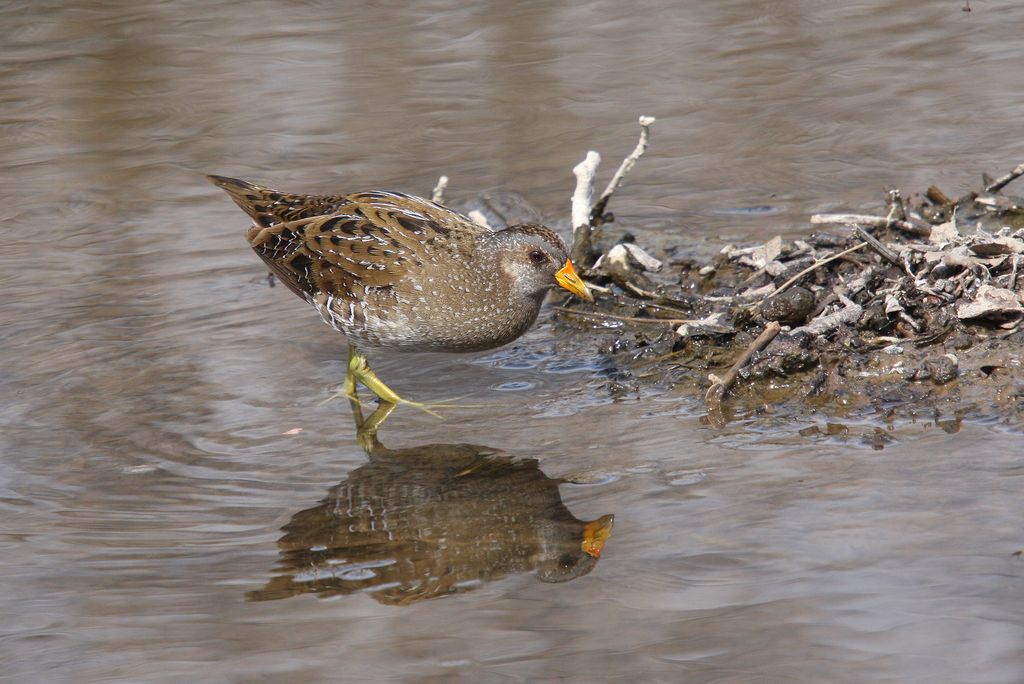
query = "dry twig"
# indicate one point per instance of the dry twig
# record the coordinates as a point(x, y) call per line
point(999, 183)
point(817, 264)
point(879, 248)
point(720, 386)
point(822, 325)
point(597, 213)
point(873, 221)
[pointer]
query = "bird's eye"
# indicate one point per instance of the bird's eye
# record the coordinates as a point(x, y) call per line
point(537, 256)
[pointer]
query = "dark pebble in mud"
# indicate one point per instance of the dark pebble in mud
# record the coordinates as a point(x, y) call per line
point(920, 375)
point(792, 307)
point(943, 369)
point(786, 355)
point(875, 318)
point(963, 341)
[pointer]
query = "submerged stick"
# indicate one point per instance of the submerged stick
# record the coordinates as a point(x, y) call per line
point(597, 213)
point(627, 319)
point(720, 386)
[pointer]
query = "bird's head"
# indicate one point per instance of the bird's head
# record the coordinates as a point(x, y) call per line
point(535, 259)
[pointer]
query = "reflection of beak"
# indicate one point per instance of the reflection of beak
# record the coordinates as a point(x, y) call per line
point(595, 534)
point(571, 281)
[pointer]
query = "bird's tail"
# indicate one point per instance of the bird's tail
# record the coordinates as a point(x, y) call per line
point(268, 207)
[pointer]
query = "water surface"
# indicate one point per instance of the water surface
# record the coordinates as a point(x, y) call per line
point(162, 415)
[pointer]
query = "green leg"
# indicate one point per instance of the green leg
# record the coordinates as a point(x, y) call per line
point(366, 429)
point(350, 380)
point(359, 371)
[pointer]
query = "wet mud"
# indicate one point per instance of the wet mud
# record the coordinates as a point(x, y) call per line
point(914, 311)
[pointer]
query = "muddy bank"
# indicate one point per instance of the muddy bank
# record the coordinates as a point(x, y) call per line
point(917, 310)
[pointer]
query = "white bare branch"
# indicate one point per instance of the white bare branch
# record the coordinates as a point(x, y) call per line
point(626, 166)
point(584, 172)
point(438, 194)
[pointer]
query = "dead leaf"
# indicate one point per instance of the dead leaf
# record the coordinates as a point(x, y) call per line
point(642, 258)
point(990, 302)
point(944, 233)
point(715, 324)
point(998, 247)
point(892, 305)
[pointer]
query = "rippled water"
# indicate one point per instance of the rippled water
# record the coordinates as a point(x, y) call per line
point(162, 415)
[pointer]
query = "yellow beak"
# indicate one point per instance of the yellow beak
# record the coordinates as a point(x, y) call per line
point(571, 281)
point(595, 534)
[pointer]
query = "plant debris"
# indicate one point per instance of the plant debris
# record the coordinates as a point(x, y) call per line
point(905, 308)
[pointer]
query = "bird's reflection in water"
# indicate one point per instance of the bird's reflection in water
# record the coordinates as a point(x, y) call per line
point(431, 521)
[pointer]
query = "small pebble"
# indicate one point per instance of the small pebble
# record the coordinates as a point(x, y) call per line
point(943, 369)
point(919, 375)
point(792, 307)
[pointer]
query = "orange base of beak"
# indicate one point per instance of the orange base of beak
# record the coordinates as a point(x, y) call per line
point(568, 278)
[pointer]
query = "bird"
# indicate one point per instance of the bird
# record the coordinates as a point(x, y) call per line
point(430, 521)
point(395, 271)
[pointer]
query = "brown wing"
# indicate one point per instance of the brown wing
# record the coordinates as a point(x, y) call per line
point(376, 239)
point(269, 207)
point(395, 210)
